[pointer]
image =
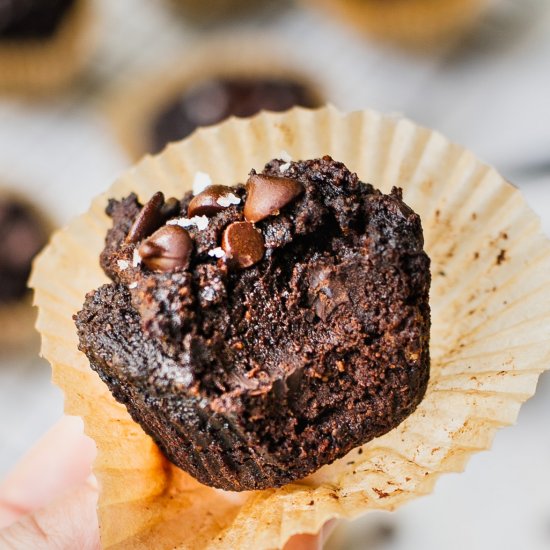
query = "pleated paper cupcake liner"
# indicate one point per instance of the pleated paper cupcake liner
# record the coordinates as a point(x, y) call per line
point(133, 105)
point(409, 23)
point(490, 332)
point(43, 66)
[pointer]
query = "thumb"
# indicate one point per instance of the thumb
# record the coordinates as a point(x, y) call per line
point(67, 523)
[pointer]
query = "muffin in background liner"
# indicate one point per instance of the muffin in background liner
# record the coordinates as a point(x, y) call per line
point(41, 66)
point(410, 23)
point(207, 11)
point(17, 315)
point(133, 106)
point(490, 304)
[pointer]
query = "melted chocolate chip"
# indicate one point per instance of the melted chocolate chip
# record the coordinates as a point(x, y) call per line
point(266, 195)
point(148, 220)
point(243, 244)
point(206, 203)
point(167, 249)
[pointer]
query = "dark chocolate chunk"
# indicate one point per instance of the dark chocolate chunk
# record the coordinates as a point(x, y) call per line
point(31, 19)
point(266, 195)
point(212, 101)
point(148, 220)
point(254, 378)
point(243, 244)
point(168, 249)
point(206, 203)
point(22, 235)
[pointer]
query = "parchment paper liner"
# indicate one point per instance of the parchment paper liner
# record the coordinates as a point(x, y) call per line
point(418, 23)
point(134, 104)
point(44, 65)
point(490, 338)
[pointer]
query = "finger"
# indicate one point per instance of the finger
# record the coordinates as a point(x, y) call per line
point(311, 542)
point(70, 522)
point(60, 461)
point(304, 542)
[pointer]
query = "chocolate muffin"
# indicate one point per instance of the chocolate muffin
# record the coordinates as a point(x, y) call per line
point(260, 331)
point(214, 99)
point(31, 19)
point(23, 233)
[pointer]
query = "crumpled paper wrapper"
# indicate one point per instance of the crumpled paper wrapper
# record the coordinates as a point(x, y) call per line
point(422, 24)
point(490, 337)
point(132, 105)
point(43, 66)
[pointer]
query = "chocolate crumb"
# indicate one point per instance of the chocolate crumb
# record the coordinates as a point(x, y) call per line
point(501, 258)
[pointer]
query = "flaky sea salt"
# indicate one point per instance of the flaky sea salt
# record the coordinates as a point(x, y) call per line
point(284, 167)
point(216, 252)
point(285, 155)
point(228, 200)
point(132, 285)
point(136, 260)
point(201, 182)
point(200, 221)
point(122, 264)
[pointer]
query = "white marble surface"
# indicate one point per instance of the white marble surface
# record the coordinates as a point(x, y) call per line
point(492, 96)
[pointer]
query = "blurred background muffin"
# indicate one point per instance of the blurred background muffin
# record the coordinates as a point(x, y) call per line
point(43, 43)
point(23, 233)
point(418, 23)
point(222, 79)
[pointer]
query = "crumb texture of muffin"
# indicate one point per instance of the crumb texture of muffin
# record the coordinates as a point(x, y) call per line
point(261, 331)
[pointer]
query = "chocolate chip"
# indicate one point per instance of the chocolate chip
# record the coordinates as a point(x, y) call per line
point(243, 244)
point(167, 249)
point(170, 208)
point(266, 195)
point(148, 220)
point(206, 203)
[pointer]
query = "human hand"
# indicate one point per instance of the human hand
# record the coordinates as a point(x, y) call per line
point(49, 500)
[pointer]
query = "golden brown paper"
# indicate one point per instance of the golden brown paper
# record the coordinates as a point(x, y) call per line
point(490, 337)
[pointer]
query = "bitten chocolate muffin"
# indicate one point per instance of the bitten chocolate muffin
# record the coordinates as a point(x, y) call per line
point(215, 99)
point(31, 19)
point(259, 332)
